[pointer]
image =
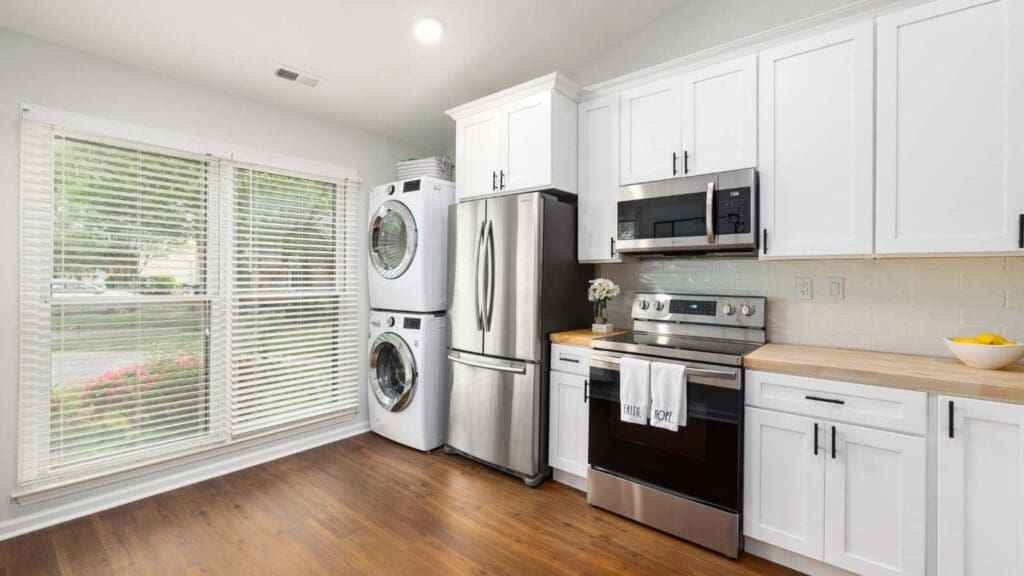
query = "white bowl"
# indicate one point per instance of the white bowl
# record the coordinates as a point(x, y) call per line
point(986, 356)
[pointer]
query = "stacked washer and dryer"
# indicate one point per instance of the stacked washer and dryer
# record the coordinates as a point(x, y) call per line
point(408, 237)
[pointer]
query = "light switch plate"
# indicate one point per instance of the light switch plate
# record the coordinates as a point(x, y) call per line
point(836, 288)
point(804, 288)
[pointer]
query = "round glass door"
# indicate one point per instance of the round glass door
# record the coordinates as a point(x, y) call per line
point(392, 372)
point(392, 239)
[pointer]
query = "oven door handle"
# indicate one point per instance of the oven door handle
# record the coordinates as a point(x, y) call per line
point(705, 372)
point(709, 212)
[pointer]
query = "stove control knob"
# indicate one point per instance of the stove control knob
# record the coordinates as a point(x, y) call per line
point(644, 304)
point(659, 306)
point(747, 310)
point(729, 309)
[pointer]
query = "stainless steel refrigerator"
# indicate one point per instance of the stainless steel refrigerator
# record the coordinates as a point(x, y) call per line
point(513, 279)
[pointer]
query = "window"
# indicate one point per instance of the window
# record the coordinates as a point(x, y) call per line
point(173, 301)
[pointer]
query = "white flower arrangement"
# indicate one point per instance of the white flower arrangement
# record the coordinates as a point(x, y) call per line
point(602, 290)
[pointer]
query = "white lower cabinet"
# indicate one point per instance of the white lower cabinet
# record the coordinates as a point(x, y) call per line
point(568, 423)
point(980, 488)
point(847, 495)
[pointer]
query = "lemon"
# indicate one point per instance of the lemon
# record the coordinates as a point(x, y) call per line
point(965, 340)
point(990, 339)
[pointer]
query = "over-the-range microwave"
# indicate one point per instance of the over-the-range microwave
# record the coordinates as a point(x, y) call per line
point(705, 214)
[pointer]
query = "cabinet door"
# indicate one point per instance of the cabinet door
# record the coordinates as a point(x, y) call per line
point(569, 424)
point(816, 151)
point(875, 488)
point(477, 155)
point(720, 117)
point(651, 132)
point(526, 144)
point(981, 488)
point(598, 179)
point(784, 478)
point(951, 127)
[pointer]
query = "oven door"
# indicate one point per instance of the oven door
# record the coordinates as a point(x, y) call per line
point(696, 214)
point(701, 461)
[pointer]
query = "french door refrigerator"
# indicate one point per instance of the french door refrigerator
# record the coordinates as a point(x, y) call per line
point(513, 279)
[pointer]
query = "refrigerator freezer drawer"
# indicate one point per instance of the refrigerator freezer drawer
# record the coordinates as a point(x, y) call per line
point(494, 411)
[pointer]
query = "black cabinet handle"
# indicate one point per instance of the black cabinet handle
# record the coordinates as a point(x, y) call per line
point(586, 391)
point(494, 181)
point(573, 360)
point(815, 438)
point(764, 240)
point(675, 158)
point(1020, 231)
point(833, 442)
point(686, 161)
point(950, 418)
point(829, 400)
point(502, 180)
point(611, 249)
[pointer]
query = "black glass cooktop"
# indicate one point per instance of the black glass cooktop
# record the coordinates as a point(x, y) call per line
point(711, 349)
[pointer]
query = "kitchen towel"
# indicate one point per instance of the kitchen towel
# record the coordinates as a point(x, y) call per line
point(668, 396)
point(634, 390)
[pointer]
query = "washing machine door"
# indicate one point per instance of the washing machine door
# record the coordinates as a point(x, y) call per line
point(392, 372)
point(393, 239)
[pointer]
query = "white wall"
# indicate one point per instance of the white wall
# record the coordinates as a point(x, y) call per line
point(699, 25)
point(46, 74)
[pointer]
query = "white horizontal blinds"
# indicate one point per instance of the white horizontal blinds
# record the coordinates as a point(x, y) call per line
point(293, 330)
point(117, 304)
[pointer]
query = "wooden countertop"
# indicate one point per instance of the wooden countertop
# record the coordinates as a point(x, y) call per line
point(583, 336)
point(940, 375)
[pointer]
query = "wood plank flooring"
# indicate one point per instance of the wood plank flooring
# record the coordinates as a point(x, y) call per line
point(363, 506)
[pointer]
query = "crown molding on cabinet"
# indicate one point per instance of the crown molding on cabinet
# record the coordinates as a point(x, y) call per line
point(553, 81)
point(848, 14)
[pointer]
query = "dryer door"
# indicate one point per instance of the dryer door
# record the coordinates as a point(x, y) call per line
point(393, 239)
point(392, 372)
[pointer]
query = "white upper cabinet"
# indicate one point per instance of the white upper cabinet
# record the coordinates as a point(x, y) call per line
point(720, 117)
point(951, 127)
point(981, 488)
point(598, 179)
point(478, 154)
point(521, 139)
point(651, 132)
point(816, 145)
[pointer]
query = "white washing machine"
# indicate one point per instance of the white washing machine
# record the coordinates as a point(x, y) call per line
point(406, 377)
point(408, 237)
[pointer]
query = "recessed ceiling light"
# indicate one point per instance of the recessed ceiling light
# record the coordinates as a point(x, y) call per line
point(428, 30)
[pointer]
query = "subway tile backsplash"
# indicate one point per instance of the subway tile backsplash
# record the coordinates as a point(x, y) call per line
point(892, 305)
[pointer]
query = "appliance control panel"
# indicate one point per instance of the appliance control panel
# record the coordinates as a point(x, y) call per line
point(744, 311)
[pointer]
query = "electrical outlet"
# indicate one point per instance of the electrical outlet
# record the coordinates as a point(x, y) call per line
point(836, 288)
point(804, 288)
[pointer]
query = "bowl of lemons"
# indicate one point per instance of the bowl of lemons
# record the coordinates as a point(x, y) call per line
point(986, 350)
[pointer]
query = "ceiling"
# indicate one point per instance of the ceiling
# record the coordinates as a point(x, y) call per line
point(375, 75)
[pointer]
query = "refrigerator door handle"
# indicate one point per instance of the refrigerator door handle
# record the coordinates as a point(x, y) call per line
point(521, 369)
point(490, 274)
point(476, 277)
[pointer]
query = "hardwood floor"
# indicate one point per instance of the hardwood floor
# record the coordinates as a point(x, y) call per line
point(363, 506)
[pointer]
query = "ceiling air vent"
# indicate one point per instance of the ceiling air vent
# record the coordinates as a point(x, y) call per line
point(294, 75)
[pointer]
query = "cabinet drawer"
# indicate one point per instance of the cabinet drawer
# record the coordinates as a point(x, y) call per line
point(571, 359)
point(875, 406)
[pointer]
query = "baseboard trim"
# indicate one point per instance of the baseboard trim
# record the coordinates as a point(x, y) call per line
point(791, 560)
point(171, 480)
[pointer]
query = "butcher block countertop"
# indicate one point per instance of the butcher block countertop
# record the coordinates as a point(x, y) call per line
point(939, 375)
point(583, 336)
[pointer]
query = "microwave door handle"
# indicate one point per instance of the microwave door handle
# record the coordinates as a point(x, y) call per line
point(709, 212)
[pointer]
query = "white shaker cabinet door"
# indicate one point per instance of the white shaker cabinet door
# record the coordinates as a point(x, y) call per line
point(981, 488)
point(598, 179)
point(720, 117)
point(875, 484)
point(526, 143)
point(478, 155)
point(951, 127)
point(784, 481)
point(651, 132)
point(817, 145)
point(569, 423)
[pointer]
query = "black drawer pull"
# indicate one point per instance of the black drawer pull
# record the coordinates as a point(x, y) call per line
point(573, 360)
point(829, 400)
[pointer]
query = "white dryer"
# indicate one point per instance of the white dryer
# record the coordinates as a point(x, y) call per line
point(408, 238)
point(406, 377)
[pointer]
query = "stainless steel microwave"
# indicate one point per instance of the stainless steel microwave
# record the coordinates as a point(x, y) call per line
point(695, 214)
